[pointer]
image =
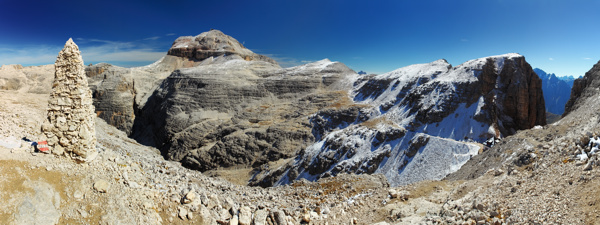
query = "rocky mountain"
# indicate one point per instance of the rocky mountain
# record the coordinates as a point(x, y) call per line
point(211, 102)
point(569, 79)
point(229, 111)
point(583, 89)
point(32, 79)
point(121, 93)
point(420, 122)
point(556, 91)
point(213, 43)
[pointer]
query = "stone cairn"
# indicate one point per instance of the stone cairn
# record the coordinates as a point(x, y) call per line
point(70, 126)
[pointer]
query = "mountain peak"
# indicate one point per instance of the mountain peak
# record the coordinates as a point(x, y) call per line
point(212, 43)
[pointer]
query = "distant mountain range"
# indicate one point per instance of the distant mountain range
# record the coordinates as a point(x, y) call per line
point(557, 90)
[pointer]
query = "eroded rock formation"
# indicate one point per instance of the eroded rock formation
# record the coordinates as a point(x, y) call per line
point(70, 126)
point(121, 93)
point(236, 112)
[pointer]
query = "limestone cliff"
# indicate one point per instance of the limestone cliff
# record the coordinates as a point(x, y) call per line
point(236, 112)
point(121, 93)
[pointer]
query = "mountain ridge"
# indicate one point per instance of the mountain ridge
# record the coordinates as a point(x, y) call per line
point(415, 110)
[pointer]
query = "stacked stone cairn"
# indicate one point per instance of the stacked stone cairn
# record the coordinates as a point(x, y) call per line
point(70, 125)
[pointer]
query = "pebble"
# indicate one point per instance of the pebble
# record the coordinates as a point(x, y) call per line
point(78, 195)
point(101, 186)
point(182, 213)
point(190, 197)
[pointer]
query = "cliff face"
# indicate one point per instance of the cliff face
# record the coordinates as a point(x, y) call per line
point(584, 88)
point(421, 121)
point(121, 93)
point(523, 99)
point(213, 103)
point(237, 112)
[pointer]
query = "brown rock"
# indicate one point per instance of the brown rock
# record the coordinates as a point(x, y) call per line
point(521, 95)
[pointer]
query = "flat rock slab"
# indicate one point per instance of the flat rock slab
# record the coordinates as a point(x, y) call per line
point(41, 207)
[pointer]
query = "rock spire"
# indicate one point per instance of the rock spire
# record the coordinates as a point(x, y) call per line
point(70, 125)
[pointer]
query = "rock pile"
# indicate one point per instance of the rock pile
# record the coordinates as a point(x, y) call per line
point(70, 126)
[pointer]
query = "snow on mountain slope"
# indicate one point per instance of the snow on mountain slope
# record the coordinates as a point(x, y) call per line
point(420, 122)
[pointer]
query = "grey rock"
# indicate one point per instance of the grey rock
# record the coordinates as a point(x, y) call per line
point(245, 216)
point(183, 212)
point(278, 217)
point(205, 217)
point(260, 217)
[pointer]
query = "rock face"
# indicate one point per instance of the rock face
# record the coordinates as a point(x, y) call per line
point(556, 91)
point(584, 88)
point(420, 122)
point(229, 111)
point(213, 103)
point(121, 93)
point(70, 126)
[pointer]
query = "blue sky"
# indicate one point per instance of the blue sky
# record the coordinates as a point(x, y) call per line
point(375, 36)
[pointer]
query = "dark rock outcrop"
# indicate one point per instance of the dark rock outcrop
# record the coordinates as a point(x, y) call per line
point(584, 88)
point(519, 90)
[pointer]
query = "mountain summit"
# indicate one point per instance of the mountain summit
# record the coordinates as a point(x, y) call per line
point(212, 43)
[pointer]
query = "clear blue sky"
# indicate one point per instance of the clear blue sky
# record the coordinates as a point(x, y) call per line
point(376, 36)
